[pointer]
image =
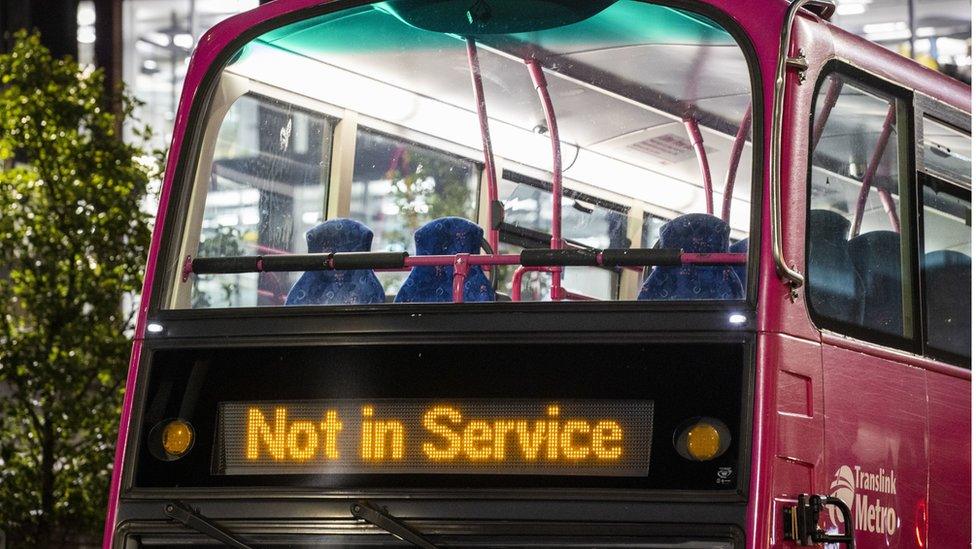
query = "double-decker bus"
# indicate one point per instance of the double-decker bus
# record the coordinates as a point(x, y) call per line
point(553, 273)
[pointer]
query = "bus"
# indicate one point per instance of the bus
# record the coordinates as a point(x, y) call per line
point(553, 273)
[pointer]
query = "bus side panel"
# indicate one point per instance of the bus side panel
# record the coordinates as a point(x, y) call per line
point(876, 428)
point(797, 465)
point(949, 518)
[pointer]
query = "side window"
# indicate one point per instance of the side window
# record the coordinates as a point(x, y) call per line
point(398, 186)
point(267, 187)
point(587, 222)
point(946, 238)
point(858, 258)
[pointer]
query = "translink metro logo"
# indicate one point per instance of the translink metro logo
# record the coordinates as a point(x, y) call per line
point(870, 496)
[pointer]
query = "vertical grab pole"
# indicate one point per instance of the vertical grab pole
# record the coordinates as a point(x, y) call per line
point(460, 274)
point(479, 97)
point(888, 203)
point(734, 157)
point(539, 80)
point(694, 134)
point(830, 100)
point(872, 169)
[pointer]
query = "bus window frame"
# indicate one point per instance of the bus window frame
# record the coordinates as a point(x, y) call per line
point(181, 185)
point(942, 113)
point(518, 236)
point(528, 237)
point(413, 138)
point(903, 100)
point(928, 107)
point(925, 179)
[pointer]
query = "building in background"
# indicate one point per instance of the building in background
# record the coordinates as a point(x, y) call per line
point(942, 30)
point(157, 39)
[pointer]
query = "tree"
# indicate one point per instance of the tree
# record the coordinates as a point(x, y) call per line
point(73, 241)
point(424, 187)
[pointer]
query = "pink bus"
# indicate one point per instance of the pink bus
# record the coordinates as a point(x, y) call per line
point(553, 273)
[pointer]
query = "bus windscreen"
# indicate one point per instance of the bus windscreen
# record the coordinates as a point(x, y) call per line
point(367, 131)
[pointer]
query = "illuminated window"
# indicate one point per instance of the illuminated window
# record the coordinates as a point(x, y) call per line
point(857, 251)
point(267, 187)
point(398, 186)
point(386, 114)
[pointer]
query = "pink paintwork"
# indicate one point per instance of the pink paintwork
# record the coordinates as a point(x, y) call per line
point(211, 44)
point(820, 401)
point(873, 399)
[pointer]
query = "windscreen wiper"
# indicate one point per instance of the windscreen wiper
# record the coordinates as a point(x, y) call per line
point(194, 520)
point(383, 520)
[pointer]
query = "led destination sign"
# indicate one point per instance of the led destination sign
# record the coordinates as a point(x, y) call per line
point(416, 436)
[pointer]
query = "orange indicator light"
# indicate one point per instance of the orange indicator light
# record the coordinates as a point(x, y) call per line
point(177, 438)
point(703, 442)
point(702, 439)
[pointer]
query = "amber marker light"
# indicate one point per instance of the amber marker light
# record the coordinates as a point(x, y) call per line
point(702, 439)
point(177, 438)
point(703, 442)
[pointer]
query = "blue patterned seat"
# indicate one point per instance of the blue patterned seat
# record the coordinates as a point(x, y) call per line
point(693, 233)
point(877, 259)
point(445, 236)
point(835, 287)
point(354, 287)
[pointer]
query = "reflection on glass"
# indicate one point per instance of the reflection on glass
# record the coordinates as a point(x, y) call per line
point(855, 257)
point(947, 151)
point(947, 266)
point(398, 186)
point(409, 146)
point(267, 187)
point(586, 220)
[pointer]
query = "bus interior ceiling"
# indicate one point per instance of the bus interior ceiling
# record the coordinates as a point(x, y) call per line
point(619, 98)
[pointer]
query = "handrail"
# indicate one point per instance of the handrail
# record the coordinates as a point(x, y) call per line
point(830, 101)
point(793, 277)
point(397, 261)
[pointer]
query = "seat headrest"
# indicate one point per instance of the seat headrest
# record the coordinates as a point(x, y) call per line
point(946, 258)
point(339, 235)
point(448, 236)
point(876, 247)
point(828, 225)
point(740, 247)
point(696, 233)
